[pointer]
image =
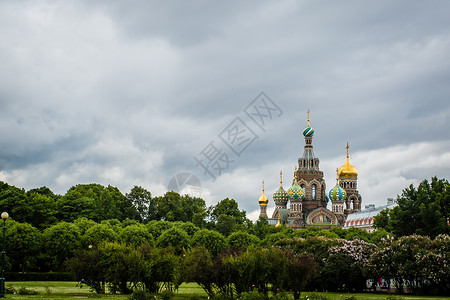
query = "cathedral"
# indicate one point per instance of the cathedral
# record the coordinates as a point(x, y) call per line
point(305, 202)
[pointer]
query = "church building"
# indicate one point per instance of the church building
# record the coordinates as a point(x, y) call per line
point(305, 202)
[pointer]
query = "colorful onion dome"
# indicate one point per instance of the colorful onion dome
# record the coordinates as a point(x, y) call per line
point(347, 170)
point(263, 200)
point(337, 193)
point(280, 197)
point(308, 131)
point(296, 192)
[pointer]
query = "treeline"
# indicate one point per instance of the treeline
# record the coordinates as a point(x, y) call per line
point(291, 265)
point(135, 241)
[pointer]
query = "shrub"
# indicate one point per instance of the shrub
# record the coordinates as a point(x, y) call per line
point(254, 295)
point(140, 295)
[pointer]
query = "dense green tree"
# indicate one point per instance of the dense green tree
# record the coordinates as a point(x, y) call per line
point(173, 207)
point(189, 227)
point(95, 202)
point(299, 271)
point(44, 210)
point(198, 266)
point(227, 207)
point(271, 239)
point(121, 265)
point(84, 224)
point(161, 269)
point(227, 225)
point(212, 240)
point(141, 199)
point(74, 205)
point(242, 239)
point(314, 231)
point(381, 220)
point(23, 245)
point(45, 191)
point(99, 233)
point(262, 228)
point(156, 228)
point(59, 241)
point(175, 238)
point(136, 235)
point(85, 264)
point(423, 211)
point(15, 201)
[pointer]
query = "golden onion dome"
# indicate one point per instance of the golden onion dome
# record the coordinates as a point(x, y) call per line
point(347, 170)
point(263, 200)
point(279, 223)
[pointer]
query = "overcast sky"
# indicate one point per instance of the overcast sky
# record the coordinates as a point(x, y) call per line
point(133, 92)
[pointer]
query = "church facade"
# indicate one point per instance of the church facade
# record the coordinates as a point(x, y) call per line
point(305, 202)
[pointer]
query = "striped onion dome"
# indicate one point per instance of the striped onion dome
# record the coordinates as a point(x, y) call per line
point(337, 193)
point(308, 131)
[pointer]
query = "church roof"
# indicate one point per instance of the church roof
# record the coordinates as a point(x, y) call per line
point(263, 200)
point(308, 131)
point(347, 170)
point(370, 211)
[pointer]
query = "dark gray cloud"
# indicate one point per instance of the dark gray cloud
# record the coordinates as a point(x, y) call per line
point(127, 93)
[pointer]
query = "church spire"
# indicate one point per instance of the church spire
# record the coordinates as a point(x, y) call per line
point(308, 117)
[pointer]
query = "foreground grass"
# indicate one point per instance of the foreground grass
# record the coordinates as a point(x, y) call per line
point(55, 290)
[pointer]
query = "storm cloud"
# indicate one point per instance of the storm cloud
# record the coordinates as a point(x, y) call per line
point(129, 92)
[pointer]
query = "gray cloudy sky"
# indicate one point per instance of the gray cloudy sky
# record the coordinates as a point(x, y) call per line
point(129, 92)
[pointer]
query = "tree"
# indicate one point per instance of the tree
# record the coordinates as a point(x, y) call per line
point(141, 199)
point(136, 235)
point(198, 267)
point(212, 240)
point(84, 224)
point(227, 224)
point(405, 259)
point(59, 241)
point(227, 207)
point(188, 227)
point(173, 207)
point(423, 211)
point(121, 265)
point(23, 246)
point(174, 237)
point(241, 239)
point(85, 264)
point(74, 205)
point(99, 233)
point(156, 228)
point(44, 210)
point(161, 269)
point(262, 229)
point(300, 269)
point(95, 202)
point(15, 202)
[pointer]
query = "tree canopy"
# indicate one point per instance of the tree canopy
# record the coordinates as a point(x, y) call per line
point(423, 210)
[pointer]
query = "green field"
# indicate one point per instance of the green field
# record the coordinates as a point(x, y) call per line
point(68, 290)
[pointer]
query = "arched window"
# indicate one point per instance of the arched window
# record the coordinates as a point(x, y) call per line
point(313, 192)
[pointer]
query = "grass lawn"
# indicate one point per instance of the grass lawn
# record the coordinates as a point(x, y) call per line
point(69, 290)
